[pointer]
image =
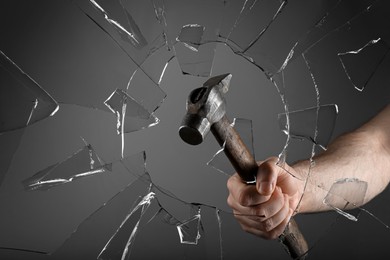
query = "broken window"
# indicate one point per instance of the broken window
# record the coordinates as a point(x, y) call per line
point(117, 75)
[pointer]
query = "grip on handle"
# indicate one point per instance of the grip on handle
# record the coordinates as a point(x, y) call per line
point(246, 166)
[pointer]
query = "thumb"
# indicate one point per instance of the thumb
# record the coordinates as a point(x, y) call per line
point(267, 176)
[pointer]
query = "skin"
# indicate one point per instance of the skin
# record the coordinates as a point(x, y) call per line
point(265, 209)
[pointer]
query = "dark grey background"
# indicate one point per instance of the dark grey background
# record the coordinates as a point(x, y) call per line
point(66, 53)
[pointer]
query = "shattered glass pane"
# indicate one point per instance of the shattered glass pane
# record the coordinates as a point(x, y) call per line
point(345, 194)
point(295, 65)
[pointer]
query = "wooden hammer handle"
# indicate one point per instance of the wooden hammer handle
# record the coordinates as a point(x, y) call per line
point(246, 166)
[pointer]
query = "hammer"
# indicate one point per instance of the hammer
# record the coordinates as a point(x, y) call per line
point(206, 110)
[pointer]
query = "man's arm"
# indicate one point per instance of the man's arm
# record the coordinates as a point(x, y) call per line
point(266, 208)
point(363, 154)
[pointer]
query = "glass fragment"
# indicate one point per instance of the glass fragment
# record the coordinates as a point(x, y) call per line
point(131, 116)
point(275, 42)
point(124, 23)
point(200, 62)
point(189, 230)
point(120, 21)
point(104, 223)
point(360, 65)
point(142, 87)
point(191, 36)
point(346, 194)
point(120, 244)
point(315, 124)
point(22, 100)
point(83, 163)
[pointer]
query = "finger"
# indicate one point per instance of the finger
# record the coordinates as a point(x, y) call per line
point(260, 212)
point(274, 221)
point(277, 231)
point(267, 176)
point(249, 222)
point(257, 228)
point(272, 206)
point(243, 194)
point(244, 210)
point(252, 227)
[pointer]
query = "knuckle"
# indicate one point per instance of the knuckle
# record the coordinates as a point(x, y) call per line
point(266, 166)
point(243, 199)
point(258, 211)
point(230, 183)
point(268, 224)
point(270, 163)
point(229, 201)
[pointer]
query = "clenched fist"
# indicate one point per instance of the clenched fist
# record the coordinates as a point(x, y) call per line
point(265, 209)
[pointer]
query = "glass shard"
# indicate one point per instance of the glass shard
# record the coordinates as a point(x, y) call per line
point(191, 36)
point(120, 244)
point(307, 123)
point(337, 13)
point(189, 230)
point(244, 128)
point(104, 223)
point(273, 44)
point(142, 87)
point(360, 65)
point(199, 62)
point(123, 23)
point(85, 162)
point(131, 116)
point(22, 101)
point(136, 165)
point(346, 194)
point(155, 67)
point(167, 217)
point(195, 62)
point(244, 31)
point(130, 29)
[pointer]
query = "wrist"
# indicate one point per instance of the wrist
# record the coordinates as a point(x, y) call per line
point(309, 192)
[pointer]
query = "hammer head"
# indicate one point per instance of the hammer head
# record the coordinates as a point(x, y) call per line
point(205, 106)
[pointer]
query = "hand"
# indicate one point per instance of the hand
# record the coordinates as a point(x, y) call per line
point(265, 209)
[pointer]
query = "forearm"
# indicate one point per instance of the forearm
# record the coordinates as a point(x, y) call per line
point(363, 154)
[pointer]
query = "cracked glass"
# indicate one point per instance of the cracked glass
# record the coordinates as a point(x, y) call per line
point(93, 93)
